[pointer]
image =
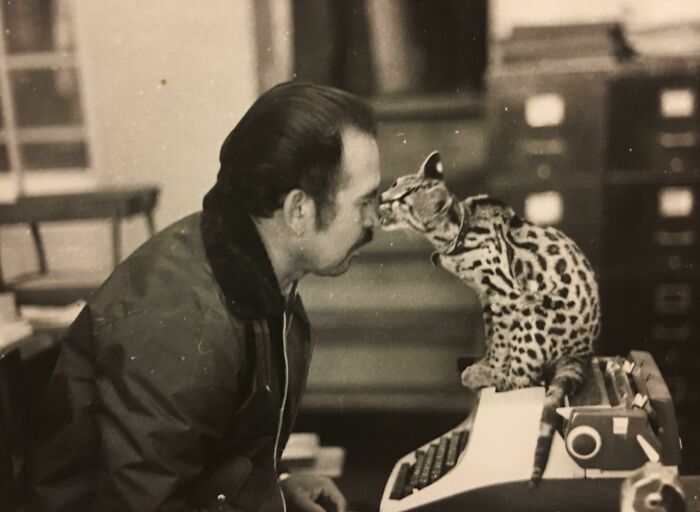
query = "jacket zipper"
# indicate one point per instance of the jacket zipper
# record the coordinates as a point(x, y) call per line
point(284, 400)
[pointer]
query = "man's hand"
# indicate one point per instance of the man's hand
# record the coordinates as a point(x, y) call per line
point(309, 493)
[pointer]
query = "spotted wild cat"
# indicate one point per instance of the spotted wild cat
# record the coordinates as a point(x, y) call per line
point(538, 292)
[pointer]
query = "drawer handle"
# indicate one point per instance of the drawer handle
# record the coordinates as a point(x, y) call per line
point(664, 333)
point(544, 147)
point(678, 140)
point(675, 238)
point(672, 298)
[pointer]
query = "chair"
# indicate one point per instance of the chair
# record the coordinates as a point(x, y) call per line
point(47, 288)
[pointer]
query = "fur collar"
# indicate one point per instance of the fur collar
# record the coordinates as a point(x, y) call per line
point(239, 260)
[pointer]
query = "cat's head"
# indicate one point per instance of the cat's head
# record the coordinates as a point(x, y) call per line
point(417, 200)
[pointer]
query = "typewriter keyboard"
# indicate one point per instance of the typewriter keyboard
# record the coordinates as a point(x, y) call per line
point(431, 463)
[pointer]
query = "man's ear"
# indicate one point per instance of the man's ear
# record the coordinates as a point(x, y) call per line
point(432, 167)
point(298, 209)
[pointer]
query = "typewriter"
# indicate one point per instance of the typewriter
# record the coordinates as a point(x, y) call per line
point(621, 418)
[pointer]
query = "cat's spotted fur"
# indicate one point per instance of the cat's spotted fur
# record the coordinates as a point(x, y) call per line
point(537, 289)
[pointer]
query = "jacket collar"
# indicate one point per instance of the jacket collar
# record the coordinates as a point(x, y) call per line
point(239, 259)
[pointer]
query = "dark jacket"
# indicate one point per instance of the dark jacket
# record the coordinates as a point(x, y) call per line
point(168, 391)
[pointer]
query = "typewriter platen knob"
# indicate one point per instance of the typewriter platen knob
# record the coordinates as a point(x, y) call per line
point(583, 442)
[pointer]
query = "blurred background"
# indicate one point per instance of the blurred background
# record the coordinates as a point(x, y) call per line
point(581, 115)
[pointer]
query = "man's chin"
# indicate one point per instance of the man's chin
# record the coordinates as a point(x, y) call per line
point(337, 270)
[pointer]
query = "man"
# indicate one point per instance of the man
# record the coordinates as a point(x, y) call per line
point(178, 384)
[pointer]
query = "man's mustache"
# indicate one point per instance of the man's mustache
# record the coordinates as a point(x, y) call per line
point(366, 238)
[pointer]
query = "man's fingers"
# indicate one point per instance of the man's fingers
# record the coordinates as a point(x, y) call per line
point(303, 502)
point(314, 494)
point(334, 495)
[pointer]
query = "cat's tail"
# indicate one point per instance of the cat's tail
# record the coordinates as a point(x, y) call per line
point(568, 376)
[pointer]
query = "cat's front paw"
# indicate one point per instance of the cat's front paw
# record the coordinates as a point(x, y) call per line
point(478, 376)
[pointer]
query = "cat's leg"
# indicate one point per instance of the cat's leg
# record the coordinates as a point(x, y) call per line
point(490, 371)
point(479, 375)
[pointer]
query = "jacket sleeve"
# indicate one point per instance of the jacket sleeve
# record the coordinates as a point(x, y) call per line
point(166, 391)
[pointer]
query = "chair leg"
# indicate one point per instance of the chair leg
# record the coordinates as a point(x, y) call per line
point(151, 223)
point(39, 244)
point(116, 241)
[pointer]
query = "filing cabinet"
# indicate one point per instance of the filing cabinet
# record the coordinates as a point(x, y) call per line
point(657, 314)
point(546, 120)
point(651, 225)
point(685, 390)
point(611, 156)
point(547, 125)
point(655, 123)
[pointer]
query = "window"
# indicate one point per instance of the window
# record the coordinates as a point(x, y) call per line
point(42, 126)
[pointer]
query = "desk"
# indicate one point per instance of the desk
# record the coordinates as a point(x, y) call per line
point(110, 203)
point(13, 335)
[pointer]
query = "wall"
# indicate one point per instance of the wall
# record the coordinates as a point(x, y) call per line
point(164, 82)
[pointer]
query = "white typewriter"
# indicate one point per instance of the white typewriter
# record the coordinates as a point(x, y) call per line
point(622, 418)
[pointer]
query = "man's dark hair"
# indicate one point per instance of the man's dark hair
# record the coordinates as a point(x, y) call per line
point(291, 137)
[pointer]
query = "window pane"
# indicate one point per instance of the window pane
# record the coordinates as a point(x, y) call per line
point(46, 97)
point(36, 25)
point(4, 159)
point(54, 155)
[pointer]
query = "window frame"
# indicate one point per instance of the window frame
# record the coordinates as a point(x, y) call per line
point(19, 180)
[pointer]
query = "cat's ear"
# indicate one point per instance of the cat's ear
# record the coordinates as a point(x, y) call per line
point(432, 167)
point(440, 198)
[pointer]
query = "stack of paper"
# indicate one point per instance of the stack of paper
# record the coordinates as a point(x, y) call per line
point(12, 328)
point(305, 455)
point(51, 317)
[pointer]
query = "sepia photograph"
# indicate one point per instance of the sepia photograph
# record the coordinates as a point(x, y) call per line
point(349, 255)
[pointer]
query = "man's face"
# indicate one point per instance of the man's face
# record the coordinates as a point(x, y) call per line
point(331, 248)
